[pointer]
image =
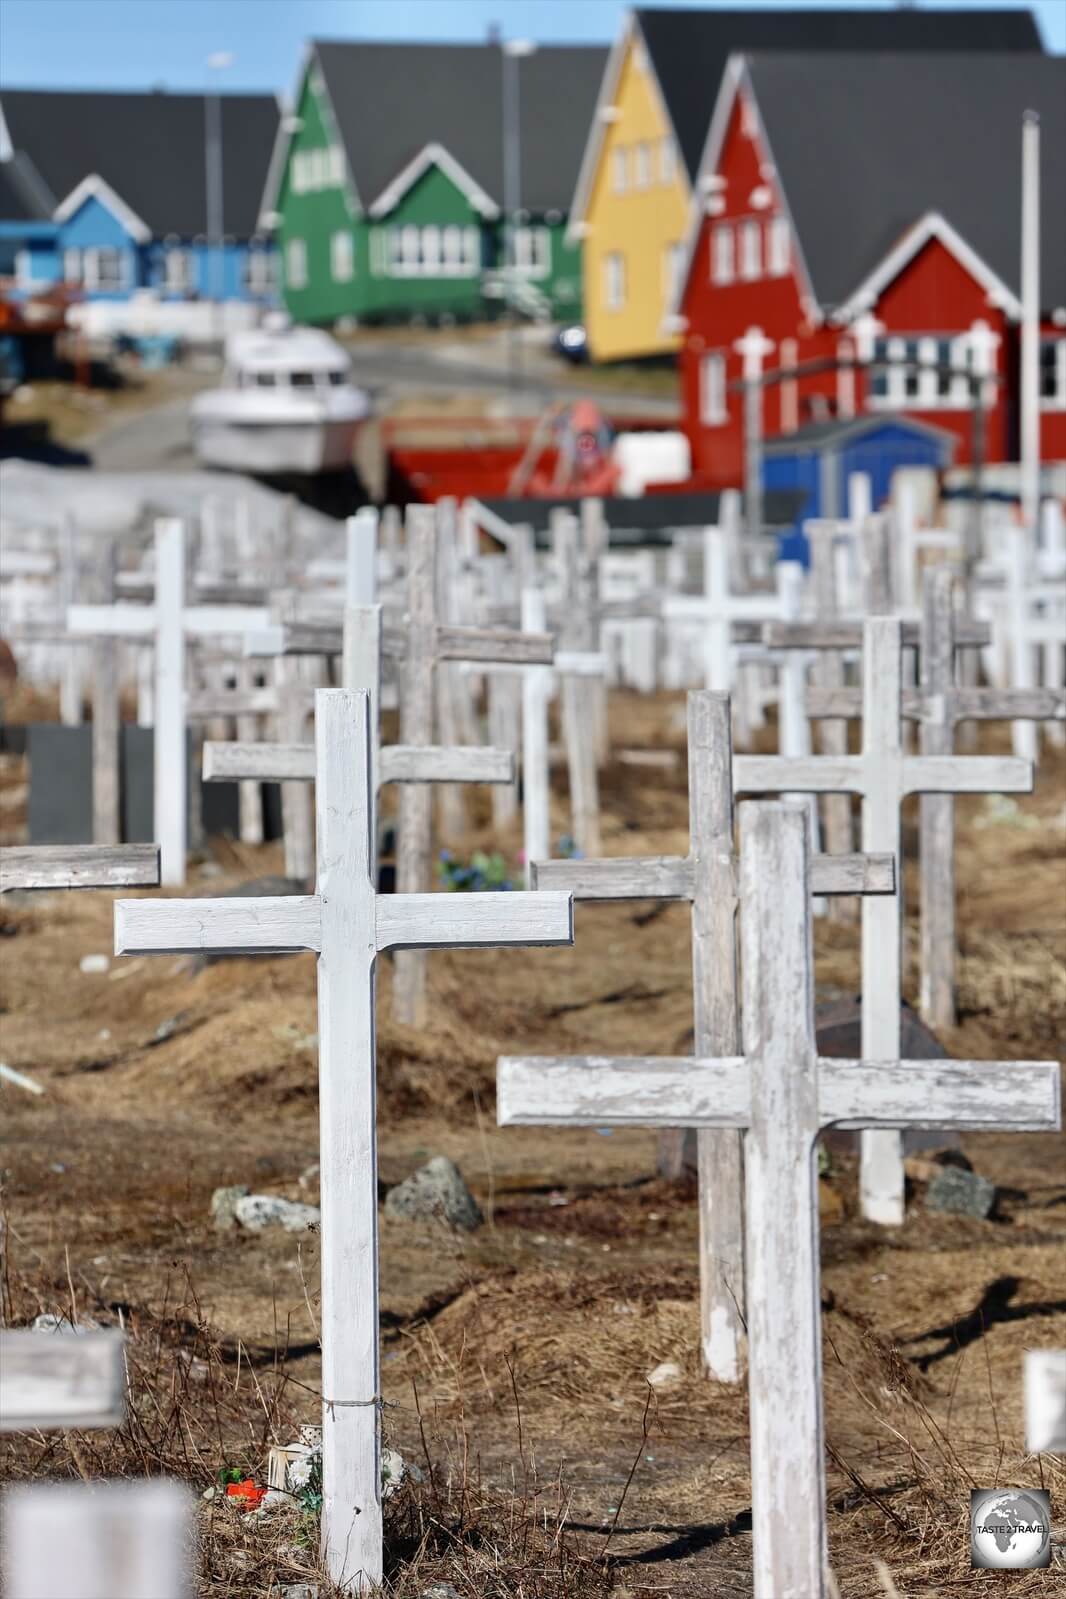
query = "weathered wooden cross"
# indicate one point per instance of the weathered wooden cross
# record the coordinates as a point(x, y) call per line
point(169, 620)
point(781, 1095)
point(938, 707)
point(883, 776)
point(706, 878)
point(347, 924)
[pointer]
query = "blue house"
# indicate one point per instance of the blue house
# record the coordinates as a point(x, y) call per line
point(145, 191)
point(817, 461)
point(25, 215)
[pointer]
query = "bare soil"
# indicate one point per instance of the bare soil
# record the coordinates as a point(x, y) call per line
point(515, 1359)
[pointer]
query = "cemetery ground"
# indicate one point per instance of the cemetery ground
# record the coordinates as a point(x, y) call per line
point(516, 1357)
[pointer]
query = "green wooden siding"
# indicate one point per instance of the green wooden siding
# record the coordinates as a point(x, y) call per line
point(391, 280)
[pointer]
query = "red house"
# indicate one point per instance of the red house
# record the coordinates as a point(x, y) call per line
point(866, 209)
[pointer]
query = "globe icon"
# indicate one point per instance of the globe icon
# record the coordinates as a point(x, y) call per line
point(1011, 1531)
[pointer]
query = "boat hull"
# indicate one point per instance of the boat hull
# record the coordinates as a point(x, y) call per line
point(268, 447)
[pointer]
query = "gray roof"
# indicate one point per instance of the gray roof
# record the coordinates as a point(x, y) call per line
point(391, 100)
point(689, 49)
point(150, 148)
point(865, 145)
point(23, 198)
point(834, 431)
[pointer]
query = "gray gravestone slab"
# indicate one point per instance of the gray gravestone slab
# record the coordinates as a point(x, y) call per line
point(60, 807)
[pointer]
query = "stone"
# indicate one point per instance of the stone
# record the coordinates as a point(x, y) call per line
point(93, 965)
point(310, 1176)
point(440, 1590)
point(435, 1192)
point(224, 1205)
point(665, 1374)
point(300, 1590)
point(923, 1168)
point(956, 1192)
point(257, 1212)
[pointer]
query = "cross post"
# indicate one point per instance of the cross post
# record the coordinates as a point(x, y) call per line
point(347, 924)
point(706, 878)
point(782, 1095)
point(883, 776)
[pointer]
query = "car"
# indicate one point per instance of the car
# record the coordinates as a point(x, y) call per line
point(572, 343)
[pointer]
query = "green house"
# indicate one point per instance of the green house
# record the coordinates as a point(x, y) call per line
point(386, 192)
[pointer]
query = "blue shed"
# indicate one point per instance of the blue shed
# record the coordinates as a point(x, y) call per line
point(818, 460)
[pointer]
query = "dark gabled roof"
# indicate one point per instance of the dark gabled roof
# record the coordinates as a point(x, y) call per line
point(23, 197)
point(391, 100)
point(689, 49)
point(150, 149)
point(866, 145)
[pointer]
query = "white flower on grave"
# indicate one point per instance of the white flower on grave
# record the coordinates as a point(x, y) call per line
point(299, 1472)
point(393, 1471)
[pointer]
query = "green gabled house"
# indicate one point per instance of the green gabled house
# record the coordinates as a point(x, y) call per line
point(386, 191)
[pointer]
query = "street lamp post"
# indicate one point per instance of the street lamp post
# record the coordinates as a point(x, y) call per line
point(513, 51)
point(215, 275)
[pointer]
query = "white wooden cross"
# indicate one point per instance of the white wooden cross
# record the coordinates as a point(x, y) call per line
point(781, 1095)
point(169, 620)
point(429, 641)
point(347, 924)
point(706, 878)
point(883, 776)
point(939, 706)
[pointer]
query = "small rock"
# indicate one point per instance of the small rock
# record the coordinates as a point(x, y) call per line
point(440, 1590)
point(664, 1374)
point(48, 1321)
point(210, 869)
point(436, 1190)
point(925, 1167)
point(93, 965)
point(167, 1028)
point(961, 1193)
point(256, 1212)
point(300, 1590)
point(224, 1205)
point(309, 1177)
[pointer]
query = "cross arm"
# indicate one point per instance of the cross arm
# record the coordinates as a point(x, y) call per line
point(293, 638)
point(967, 774)
point(80, 866)
point(657, 1091)
point(273, 925)
point(225, 761)
point(962, 704)
point(848, 635)
point(442, 763)
point(466, 921)
point(234, 702)
point(493, 644)
point(673, 877)
point(773, 774)
point(61, 1379)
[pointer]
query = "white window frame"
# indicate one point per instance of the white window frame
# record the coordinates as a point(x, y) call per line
point(924, 378)
point(1056, 401)
point(335, 162)
point(778, 247)
point(642, 164)
point(749, 122)
point(342, 255)
point(259, 272)
point(667, 159)
point(673, 260)
point(298, 172)
point(73, 265)
point(723, 253)
point(472, 249)
point(431, 250)
point(92, 260)
point(714, 403)
point(614, 280)
point(532, 251)
point(296, 263)
point(620, 169)
point(749, 237)
point(183, 280)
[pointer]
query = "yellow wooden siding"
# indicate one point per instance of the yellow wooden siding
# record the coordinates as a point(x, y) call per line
point(638, 225)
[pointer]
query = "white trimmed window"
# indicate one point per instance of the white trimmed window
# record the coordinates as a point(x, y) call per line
point(298, 172)
point(713, 408)
point(1053, 374)
point(723, 253)
point(179, 270)
point(259, 272)
point(750, 251)
point(105, 269)
point(431, 250)
point(472, 249)
point(620, 169)
point(532, 251)
point(452, 249)
point(673, 261)
point(342, 256)
point(778, 247)
point(614, 280)
point(642, 165)
point(921, 371)
point(336, 165)
point(296, 263)
point(667, 160)
point(72, 268)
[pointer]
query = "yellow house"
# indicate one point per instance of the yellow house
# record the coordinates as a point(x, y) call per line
point(638, 187)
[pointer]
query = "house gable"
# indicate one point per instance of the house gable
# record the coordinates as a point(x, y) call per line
point(635, 219)
point(93, 200)
point(434, 156)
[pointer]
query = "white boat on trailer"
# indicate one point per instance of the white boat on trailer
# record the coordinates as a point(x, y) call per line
point(286, 404)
